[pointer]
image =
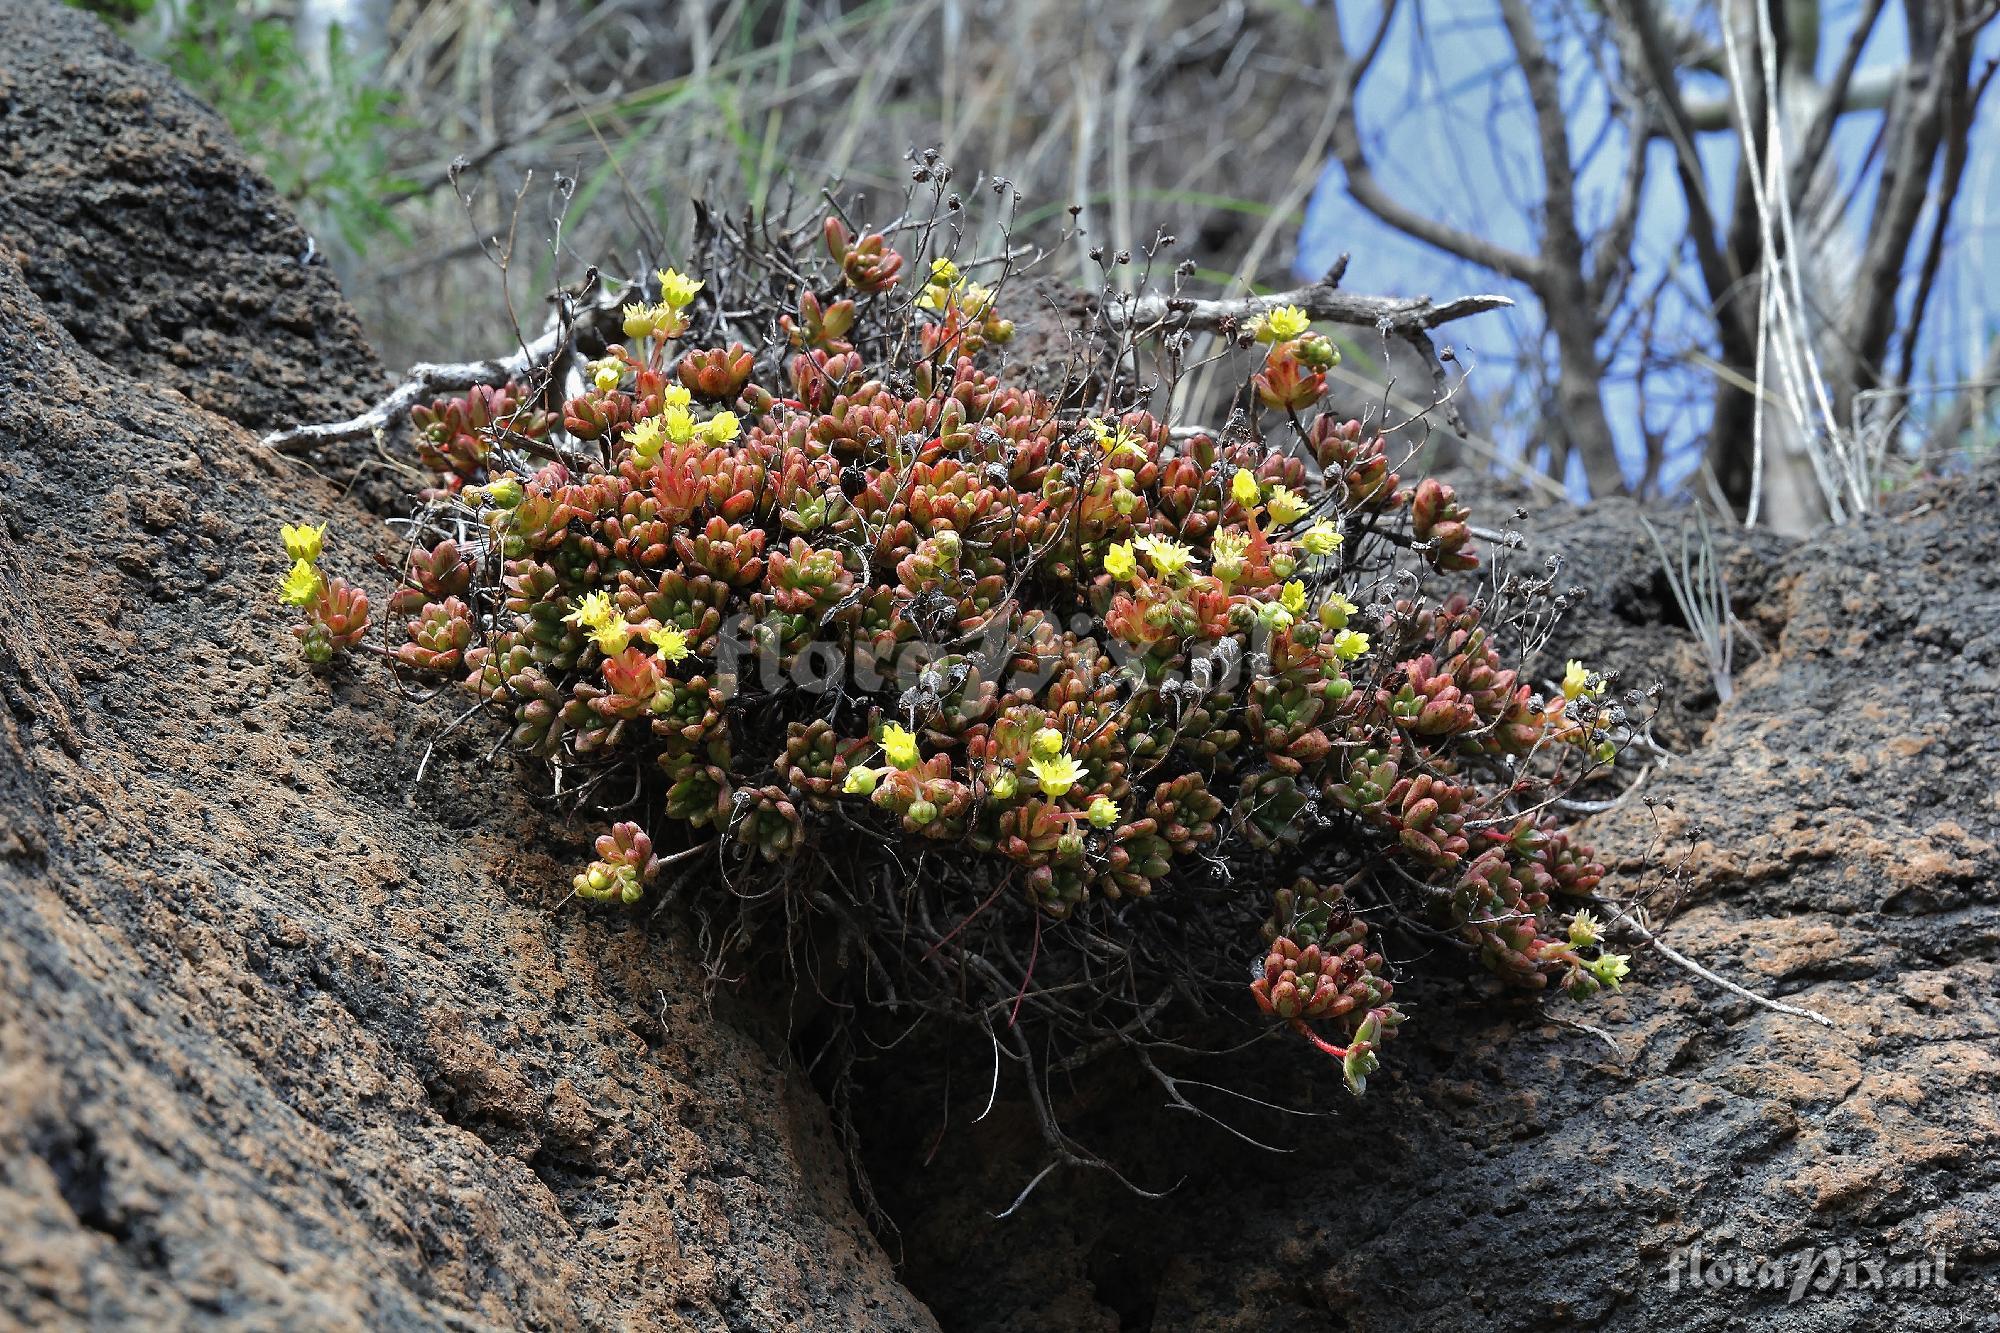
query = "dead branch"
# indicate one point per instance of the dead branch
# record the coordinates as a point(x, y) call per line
point(1409, 318)
point(1399, 317)
point(427, 379)
point(1629, 920)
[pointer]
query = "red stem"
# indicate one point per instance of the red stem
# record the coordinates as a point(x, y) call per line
point(997, 891)
point(1033, 950)
point(1300, 1026)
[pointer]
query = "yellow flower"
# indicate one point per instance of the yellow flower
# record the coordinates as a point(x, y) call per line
point(596, 616)
point(973, 299)
point(1583, 928)
point(1610, 968)
point(1057, 775)
point(638, 320)
point(504, 493)
point(1120, 563)
point(943, 272)
point(1287, 505)
point(1103, 812)
point(1047, 743)
point(1230, 545)
point(299, 587)
point(1320, 538)
point(667, 321)
point(646, 440)
point(606, 375)
point(671, 643)
point(860, 781)
point(1112, 442)
point(1167, 556)
point(676, 395)
point(1282, 325)
point(1003, 784)
point(677, 289)
point(1576, 681)
point(302, 540)
point(1293, 598)
point(1349, 644)
point(1334, 611)
point(721, 428)
point(900, 746)
point(612, 638)
point(592, 612)
point(679, 424)
point(1243, 486)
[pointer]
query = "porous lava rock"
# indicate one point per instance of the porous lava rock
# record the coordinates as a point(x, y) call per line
point(287, 1038)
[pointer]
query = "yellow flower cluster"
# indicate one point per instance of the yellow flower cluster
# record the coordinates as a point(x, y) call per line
point(676, 424)
point(670, 643)
point(667, 318)
point(596, 615)
point(948, 289)
point(302, 582)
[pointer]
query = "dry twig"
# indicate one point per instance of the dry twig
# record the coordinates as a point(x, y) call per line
point(428, 379)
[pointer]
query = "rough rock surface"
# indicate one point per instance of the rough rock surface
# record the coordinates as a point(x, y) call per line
point(286, 1038)
point(1833, 840)
point(144, 233)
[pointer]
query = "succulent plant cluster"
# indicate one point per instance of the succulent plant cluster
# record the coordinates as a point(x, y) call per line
point(853, 597)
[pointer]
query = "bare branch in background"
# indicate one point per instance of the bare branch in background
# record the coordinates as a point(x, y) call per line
point(1802, 284)
point(1370, 193)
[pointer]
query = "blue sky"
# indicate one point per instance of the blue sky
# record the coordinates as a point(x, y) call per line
point(1445, 116)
